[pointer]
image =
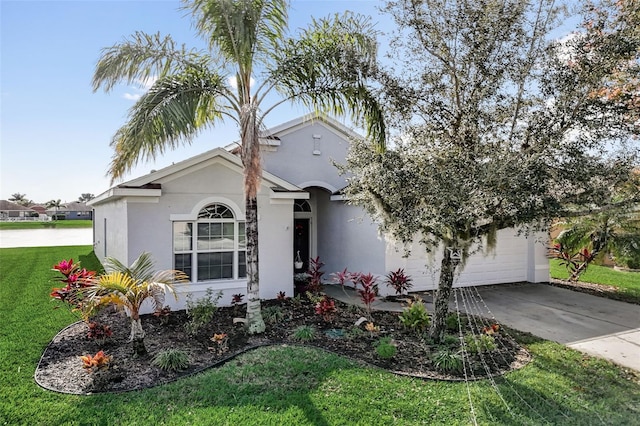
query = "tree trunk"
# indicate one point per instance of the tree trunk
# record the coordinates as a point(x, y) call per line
point(137, 336)
point(441, 308)
point(255, 323)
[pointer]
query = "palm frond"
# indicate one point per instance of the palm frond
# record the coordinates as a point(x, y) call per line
point(329, 69)
point(171, 113)
point(243, 31)
point(141, 57)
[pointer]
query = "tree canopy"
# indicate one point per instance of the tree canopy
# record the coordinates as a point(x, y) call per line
point(497, 125)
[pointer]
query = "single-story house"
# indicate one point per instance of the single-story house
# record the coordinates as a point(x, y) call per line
point(73, 211)
point(190, 216)
point(12, 211)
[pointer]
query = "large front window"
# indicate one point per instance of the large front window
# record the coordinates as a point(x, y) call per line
point(213, 247)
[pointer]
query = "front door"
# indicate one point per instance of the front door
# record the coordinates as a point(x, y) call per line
point(301, 243)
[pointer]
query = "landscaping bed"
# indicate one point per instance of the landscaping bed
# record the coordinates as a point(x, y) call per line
point(61, 369)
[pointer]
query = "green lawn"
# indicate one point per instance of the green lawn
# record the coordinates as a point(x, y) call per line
point(628, 283)
point(51, 224)
point(292, 385)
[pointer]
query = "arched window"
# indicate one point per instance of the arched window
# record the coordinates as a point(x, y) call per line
point(213, 247)
point(301, 206)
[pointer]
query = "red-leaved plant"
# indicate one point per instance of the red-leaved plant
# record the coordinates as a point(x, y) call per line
point(368, 289)
point(315, 275)
point(327, 308)
point(400, 281)
point(98, 331)
point(72, 294)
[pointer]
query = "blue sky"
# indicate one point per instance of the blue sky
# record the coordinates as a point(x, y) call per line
point(54, 131)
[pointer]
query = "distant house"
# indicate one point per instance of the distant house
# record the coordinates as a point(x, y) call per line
point(73, 211)
point(12, 211)
point(190, 216)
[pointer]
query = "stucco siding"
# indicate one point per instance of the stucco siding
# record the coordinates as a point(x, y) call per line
point(294, 159)
point(110, 224)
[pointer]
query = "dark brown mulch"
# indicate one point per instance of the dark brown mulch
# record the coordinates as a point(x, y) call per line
point(60, 368)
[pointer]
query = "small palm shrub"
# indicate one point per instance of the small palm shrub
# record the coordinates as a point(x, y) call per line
point(480, 343)
point(415, 316)
point(385, 348)
point(171, 360)
point(201, 311)
point(448, 361)
point(304, 333)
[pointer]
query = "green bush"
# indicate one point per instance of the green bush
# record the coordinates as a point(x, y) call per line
point(201, 311)
point(415, 316)
point(171, 360)
point(480, 343)
point(452, 322)
point(272, 314)
point(304, 333)
point(448, 361)
point(385, 348)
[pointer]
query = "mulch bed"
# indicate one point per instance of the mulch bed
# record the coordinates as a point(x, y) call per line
point(601, 290)
point(60, 368)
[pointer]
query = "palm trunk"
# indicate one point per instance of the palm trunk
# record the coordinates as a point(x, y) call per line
point(441, 308)
point(255, 323)
point(137, 336)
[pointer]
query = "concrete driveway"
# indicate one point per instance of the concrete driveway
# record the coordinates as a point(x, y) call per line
point(597, 326)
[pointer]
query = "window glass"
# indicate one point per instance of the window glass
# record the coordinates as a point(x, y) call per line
point(182, 236)
point(182, 262)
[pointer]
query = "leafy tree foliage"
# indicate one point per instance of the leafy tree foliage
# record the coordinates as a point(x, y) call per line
point(497, 126)
point(21, 199)
point(85, 197)
point(325, 68)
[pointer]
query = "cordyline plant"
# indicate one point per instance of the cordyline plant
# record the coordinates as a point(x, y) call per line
point(399, 281)
point(497, 126)
point(128, 287)
point(73, 294)
point(251, 59)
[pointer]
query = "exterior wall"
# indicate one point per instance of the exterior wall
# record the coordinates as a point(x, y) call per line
point(150, 229)
point(294, 159)
point(111, 218)
point(347, 238)
point(514, 259)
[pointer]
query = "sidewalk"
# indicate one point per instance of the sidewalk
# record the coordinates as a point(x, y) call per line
point(594, 325)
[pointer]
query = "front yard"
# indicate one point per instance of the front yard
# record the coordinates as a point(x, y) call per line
point(293, 384)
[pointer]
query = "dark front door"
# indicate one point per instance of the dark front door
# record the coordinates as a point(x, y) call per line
point(301, 242)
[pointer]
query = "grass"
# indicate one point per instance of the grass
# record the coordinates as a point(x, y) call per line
point(50, 224)
point(627, 283)
point(291, 385)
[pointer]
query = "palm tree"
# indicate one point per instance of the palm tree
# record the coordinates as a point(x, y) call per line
point(326, 69)
point(54, 204)
point(129, 287)
point(20, 199)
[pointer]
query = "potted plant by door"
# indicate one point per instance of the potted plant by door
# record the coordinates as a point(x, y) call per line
point(297, 262)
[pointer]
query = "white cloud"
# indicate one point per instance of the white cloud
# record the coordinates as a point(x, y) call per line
point(234, 83)
point(132, 96)
point(142, 86)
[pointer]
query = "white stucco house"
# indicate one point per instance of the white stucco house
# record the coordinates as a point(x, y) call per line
point(190, 216)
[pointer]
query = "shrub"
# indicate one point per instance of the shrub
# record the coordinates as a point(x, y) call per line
point(452, 322)
point(400, 282)
point(221, 341)
point(304, 333)
point(77, 280)
point(448, 361)
point(315, 275)
point(451, 340)
point(201, 311)
point(368, 290)
point(415, 316)
point(163, 314)
point(385, 348)
point(98, 331)
point(326, 307)
point(272, 314)
point(481, 343)
point(99, 361)
point(171, 360)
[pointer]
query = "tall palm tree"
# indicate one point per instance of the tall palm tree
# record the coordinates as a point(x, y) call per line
point(129, 287)
point(20, 199)
point(326, 69)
